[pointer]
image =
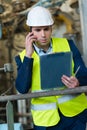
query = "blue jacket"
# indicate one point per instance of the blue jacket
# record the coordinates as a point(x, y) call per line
point(24, 73)
point(24, 70)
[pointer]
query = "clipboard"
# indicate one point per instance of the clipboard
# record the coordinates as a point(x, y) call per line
point(52, 67)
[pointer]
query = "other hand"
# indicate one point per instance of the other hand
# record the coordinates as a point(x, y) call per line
point(70, 82)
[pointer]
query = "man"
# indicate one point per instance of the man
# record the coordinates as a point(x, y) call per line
point(67, 112)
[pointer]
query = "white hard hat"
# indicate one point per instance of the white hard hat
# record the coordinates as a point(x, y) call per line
point(39, 16)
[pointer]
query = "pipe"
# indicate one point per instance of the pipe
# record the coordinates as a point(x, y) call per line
point(76, 90)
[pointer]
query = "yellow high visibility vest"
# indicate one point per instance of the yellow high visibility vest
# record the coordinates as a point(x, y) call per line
point(45, 109)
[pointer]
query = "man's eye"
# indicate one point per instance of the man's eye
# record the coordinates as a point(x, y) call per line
point(37, 30)
point(46, 29)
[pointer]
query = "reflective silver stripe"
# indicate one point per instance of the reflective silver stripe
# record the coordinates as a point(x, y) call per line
point(43, 106)
point(38, 91)
point(66, 98)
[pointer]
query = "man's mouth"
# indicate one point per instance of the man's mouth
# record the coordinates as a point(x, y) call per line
point(43, 40)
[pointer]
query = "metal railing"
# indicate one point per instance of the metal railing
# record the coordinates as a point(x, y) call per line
point(8, 98)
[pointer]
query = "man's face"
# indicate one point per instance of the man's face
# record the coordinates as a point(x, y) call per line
point(43, 35)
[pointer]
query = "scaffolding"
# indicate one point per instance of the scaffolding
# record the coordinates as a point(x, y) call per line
point(9, 98)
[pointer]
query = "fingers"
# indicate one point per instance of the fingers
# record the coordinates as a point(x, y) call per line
point(70, 82)
point(31, 38)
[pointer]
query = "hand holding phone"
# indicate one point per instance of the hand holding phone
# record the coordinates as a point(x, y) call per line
point(30, 39)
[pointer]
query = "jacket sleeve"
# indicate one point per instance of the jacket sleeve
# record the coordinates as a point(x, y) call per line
point(78, 61)
point(24, 74)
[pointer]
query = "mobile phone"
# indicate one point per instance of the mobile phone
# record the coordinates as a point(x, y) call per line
point(32, 34)
point(30, 29)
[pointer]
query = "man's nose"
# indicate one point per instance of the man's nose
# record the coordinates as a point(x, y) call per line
point(43, 33)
